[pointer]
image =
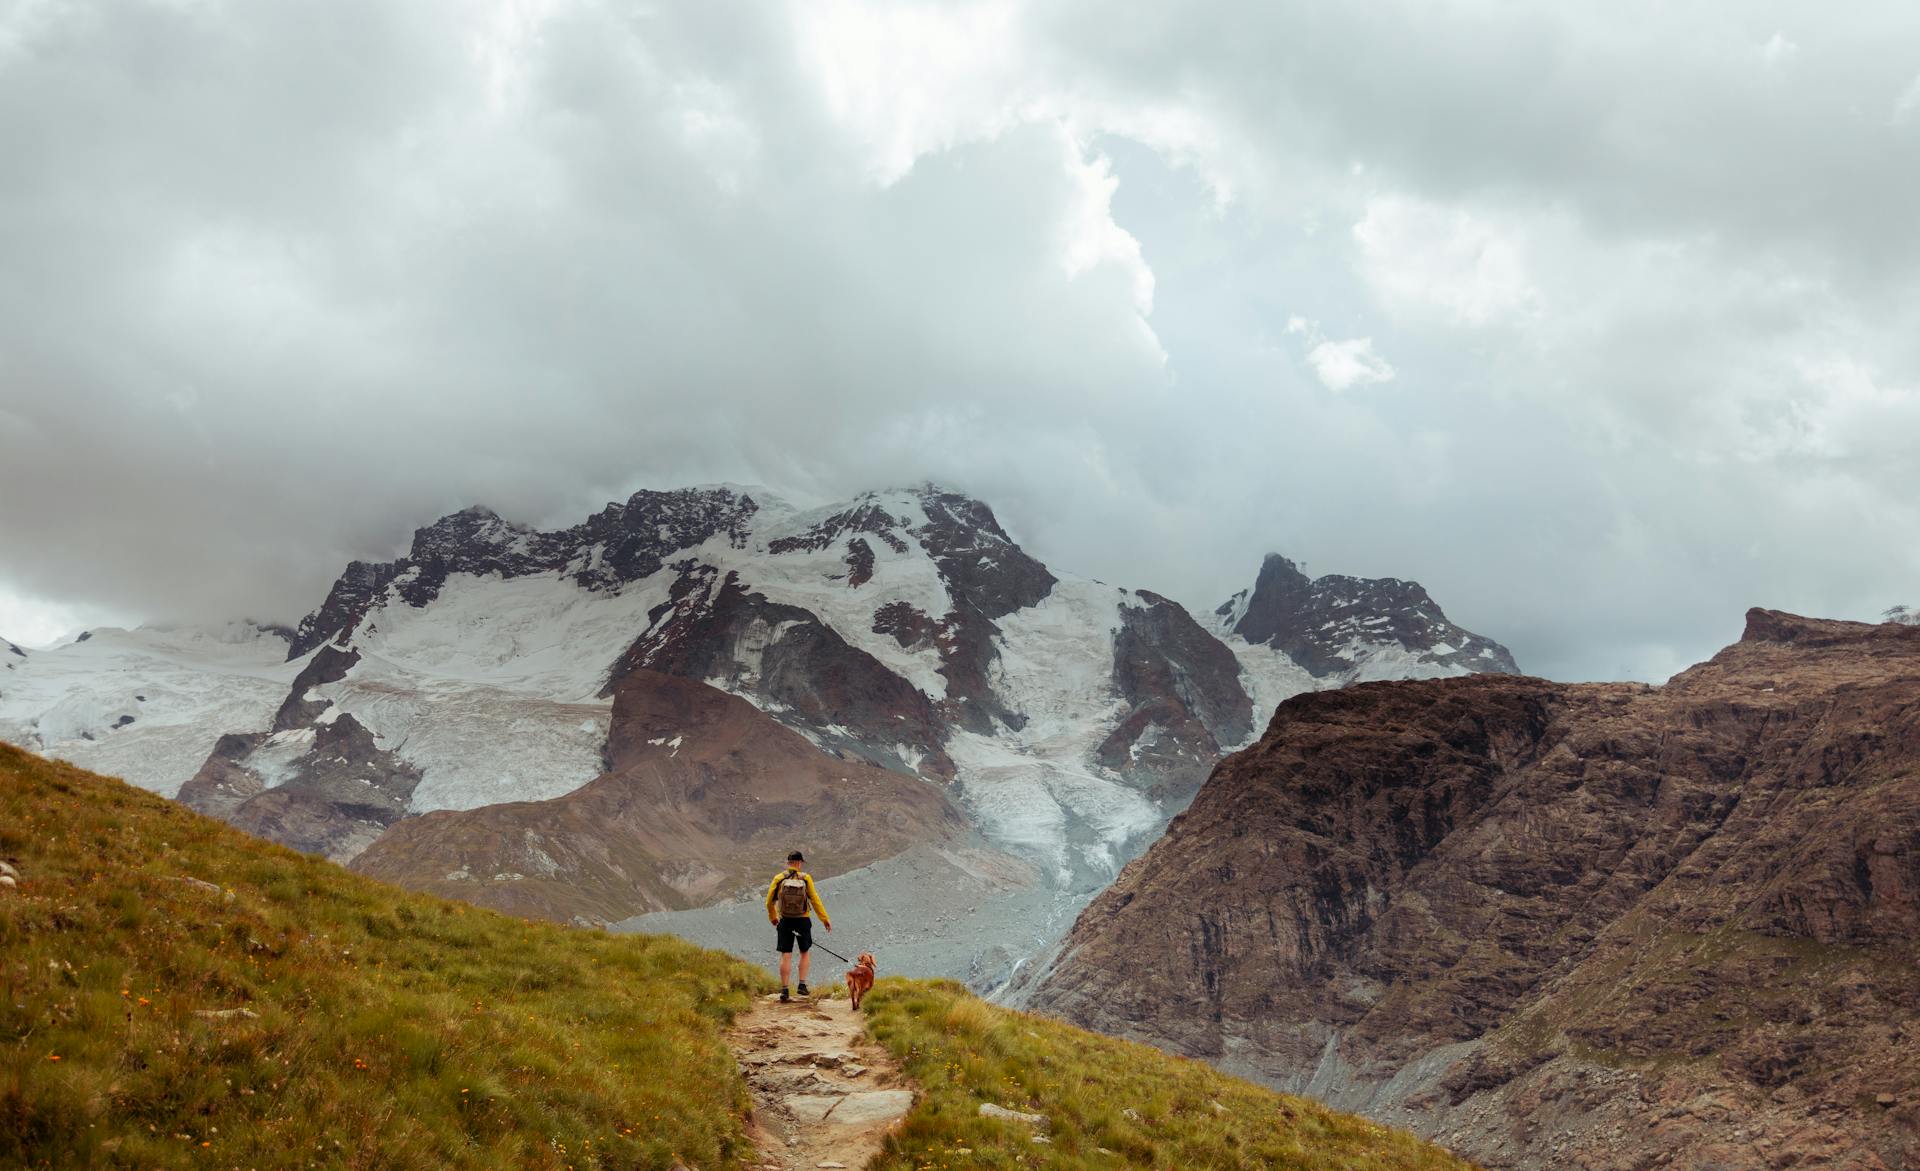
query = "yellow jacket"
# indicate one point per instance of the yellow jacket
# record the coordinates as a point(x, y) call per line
point(813, 896)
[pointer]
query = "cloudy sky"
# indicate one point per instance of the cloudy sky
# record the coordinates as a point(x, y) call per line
point(1604, 323)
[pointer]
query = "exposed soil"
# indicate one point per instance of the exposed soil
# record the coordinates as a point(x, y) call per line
point(824, 1095)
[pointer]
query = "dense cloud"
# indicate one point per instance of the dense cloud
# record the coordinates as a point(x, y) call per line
point(1603, 326)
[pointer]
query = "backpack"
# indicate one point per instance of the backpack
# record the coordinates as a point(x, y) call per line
point(793, 896)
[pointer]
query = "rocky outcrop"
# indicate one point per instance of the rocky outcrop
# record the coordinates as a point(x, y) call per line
point(1185, 700)
point(357, 590)
point(987, 577)
point(1330, 625)
point(704, 794)
point(714, 628)
point(622, 543)
point(629, 541)
point(865, 517)
point(983, 568)
point(325, 788)
point(1593, 925)
point(329, 665)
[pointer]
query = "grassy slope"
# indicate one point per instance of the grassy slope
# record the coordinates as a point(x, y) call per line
point(401, 1031)
point(1146, 1108)
point(393, 1030)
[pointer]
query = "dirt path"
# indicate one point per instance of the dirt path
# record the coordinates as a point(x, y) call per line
point(823, 1096)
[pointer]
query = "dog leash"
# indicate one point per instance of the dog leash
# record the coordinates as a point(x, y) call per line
point(836, 955)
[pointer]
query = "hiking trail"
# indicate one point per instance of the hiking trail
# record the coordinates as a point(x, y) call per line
point(823, 1095)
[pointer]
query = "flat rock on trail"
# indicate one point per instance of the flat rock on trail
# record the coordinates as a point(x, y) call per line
point(824, 1095)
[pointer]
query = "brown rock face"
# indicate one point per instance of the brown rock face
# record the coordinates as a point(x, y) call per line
point(1187, 702)
point(703, 796)
point(793, 662)
point(1594, 925)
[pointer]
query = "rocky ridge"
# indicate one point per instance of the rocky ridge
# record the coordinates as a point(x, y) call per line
point(1339, 626)
point(1583, 925)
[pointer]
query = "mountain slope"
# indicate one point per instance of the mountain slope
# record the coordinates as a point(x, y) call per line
point(1549, 921)
point(703, 793)
point(1064, 718)
point(181, 995)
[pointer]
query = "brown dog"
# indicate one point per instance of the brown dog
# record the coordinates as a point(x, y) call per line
point(860, 979)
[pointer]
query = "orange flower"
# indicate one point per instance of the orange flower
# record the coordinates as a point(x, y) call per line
point(53, 1057)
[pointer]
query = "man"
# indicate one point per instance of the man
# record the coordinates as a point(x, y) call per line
point(791, 901)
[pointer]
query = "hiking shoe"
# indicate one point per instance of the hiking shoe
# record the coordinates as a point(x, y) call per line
point(801, 988)
point(784, 998)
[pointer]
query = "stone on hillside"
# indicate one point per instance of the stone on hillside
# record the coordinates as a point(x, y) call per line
point(989, 1110)
point(203, 885)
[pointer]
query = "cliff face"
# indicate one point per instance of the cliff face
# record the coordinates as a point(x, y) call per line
point(1597, 925)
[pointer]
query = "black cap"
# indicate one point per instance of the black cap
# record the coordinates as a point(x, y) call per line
point(795, 856)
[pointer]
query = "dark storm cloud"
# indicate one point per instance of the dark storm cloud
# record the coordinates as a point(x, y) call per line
point(278, 283)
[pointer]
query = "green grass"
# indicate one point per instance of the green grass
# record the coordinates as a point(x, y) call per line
point(391, 1031)
point(1144, 1108)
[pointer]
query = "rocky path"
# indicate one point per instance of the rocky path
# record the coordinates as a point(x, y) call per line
point(824, 1096)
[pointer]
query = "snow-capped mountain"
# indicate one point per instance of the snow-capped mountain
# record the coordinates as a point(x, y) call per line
point(144, 704)
point(1066, 719)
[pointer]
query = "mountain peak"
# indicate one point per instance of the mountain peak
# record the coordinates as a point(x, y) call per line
point(1329, 624)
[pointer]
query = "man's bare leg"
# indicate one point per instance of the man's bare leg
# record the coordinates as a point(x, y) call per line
point(805, 956)
point(786, 964)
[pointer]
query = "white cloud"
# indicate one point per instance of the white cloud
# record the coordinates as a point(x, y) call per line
point(36, 622)
point(1340, 364)
point(264, 308)
point(1908, 101)
point(1349, 363)
point(1421, 256)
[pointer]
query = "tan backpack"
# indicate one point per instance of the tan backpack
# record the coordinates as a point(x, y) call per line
point(793, 896)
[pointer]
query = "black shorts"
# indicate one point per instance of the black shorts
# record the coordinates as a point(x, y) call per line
point(790, 929)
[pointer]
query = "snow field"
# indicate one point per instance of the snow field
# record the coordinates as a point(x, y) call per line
point(181, 686)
